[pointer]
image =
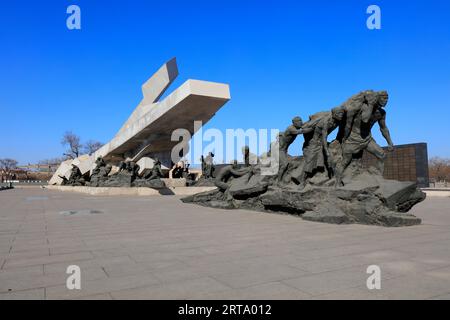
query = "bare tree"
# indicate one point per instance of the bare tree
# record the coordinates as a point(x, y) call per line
point(6, 166)
point(48, 165)
point(439, 169)
point(73, 142)
point(52, 161)
point(91, 146)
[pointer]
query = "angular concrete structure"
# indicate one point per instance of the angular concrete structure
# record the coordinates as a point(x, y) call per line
point(148, 130)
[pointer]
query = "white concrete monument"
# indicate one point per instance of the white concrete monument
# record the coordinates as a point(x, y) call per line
point(147, 132)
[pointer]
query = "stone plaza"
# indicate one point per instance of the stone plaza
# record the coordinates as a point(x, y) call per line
point(157, 247)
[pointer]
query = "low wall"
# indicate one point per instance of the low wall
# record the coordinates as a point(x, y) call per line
point(437, 192)
point(113, 191)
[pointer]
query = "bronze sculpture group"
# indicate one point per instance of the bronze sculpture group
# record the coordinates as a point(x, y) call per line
point(126, 176)
point(328, 183)
point(355, 119)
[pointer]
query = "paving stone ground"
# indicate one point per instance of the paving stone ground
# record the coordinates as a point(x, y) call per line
point(159, 248)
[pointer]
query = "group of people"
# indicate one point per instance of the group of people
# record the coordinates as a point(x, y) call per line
point(355, 119)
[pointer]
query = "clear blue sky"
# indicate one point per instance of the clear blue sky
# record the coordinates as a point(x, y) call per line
point(281, 59)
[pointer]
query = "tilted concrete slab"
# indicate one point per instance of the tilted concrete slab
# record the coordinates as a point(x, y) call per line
point(148, 131)
point(146, 163)
point(84, 163)
point(63, 171)
point(193, 101)
point(153, 89)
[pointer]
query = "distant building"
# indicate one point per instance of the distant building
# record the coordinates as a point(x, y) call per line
point(408, 162)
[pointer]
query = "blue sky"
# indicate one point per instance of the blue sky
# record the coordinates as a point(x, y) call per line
point(281, 59)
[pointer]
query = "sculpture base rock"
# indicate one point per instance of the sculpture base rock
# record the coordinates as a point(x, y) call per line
point(367, 199)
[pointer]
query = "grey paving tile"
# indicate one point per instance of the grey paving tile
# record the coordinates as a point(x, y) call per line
point(20, 262)
point(91, 263)
point(327, 282)
point(267, 291)
point(22, 282)
point(102, 286)
point(358, 293)
point(178, 290)
point(441, 297)
point(37, 270)
point(44, 252)
point(105, 296)
point(258, 275)
point(413, 287)
point(16, 281)
point(34, 294)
